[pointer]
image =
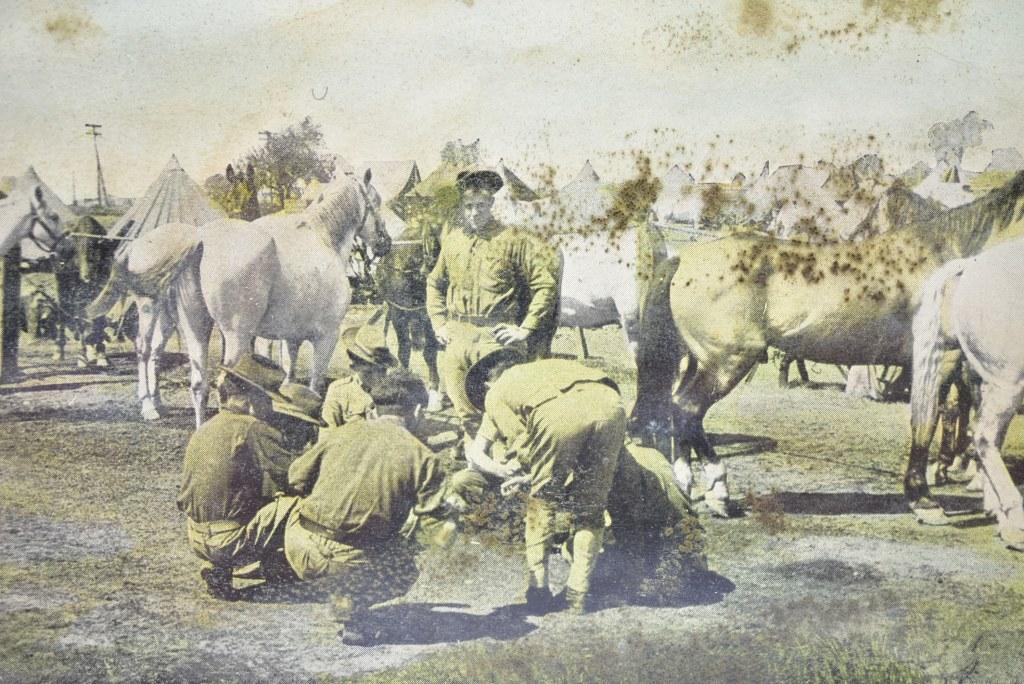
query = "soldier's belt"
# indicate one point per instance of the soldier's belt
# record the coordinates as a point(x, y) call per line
point(477, 320)
point(214, 527)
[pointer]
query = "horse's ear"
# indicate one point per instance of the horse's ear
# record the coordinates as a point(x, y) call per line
point(230, 173)
point(37, 193)
point(367, 176)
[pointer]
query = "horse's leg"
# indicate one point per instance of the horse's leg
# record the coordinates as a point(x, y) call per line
point(400, 320)
point(801, 369)
point(998, 406)
point(161, 335)
point(707, 386)
point(195, 325)
point(96, 340)
point(146, 353)
point(290, 357)
point(430, 350)
point(64, 292)
point(784, 365)
point(323, 350)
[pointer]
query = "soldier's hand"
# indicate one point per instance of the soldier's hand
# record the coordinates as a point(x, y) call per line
point(509, 334)
point(443, 336)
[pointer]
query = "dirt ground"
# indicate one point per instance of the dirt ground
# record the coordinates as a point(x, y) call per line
point(823, 577)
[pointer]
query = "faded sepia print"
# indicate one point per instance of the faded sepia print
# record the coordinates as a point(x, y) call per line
point(479, 341)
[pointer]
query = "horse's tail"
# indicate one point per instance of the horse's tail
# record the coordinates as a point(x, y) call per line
point(150, 266)
point(112, 292)
point(659, 353)
point(928, 350)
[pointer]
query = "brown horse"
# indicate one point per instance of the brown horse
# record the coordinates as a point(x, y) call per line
point(80, 267)
point(714, 309)
point(400, 279)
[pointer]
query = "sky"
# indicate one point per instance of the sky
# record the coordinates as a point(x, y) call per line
point(722, 85)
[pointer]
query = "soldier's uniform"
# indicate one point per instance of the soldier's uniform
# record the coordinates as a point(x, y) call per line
point(234, 466)
point(566, 424)
point(482, 279)
point(362, 483)
point(345, 401)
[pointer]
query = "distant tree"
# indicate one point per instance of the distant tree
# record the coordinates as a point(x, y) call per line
point(289, 155)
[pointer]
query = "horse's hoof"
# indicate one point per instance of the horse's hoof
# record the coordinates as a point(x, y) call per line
point(931, 516)
point(435, 402)
point(1013, 538)
point(150, 410)
point(718, 508)
point(977, 484)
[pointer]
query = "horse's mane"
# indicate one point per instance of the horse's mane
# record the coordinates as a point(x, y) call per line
point(336, 217)
point(972, 224)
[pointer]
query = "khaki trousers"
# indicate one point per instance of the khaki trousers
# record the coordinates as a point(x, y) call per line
point(469, 343)
point(357, 578)
point(227, 544)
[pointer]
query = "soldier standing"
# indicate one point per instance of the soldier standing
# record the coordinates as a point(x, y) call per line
point(492, 287)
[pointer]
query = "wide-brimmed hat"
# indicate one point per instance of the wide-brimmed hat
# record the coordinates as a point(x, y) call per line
point(476, 378)
point(302, 403)
point(479, 181)
point(260, 373)
point(367, 353)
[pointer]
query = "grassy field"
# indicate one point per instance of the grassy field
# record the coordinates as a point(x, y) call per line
point(824, 578)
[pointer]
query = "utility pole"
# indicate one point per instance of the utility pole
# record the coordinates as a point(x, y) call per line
point(101, 187)
point(267, 137)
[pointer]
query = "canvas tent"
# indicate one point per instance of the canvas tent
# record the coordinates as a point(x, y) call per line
point(392, 178)
point(583, 197)
point(172, 198)
point(26, 181)
point(678, 202)
point(946, 186)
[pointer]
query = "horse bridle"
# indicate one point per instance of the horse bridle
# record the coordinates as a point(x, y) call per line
point(55, 238)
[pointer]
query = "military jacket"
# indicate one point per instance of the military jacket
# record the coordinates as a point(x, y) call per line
point(488, 276)
point(523, 388)
point(363, 481)
point(234, 464)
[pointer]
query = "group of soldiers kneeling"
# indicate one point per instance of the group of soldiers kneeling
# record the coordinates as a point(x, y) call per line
point(340, 490)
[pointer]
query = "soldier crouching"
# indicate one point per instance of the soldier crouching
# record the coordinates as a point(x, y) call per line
point(362, 483)
point(235, 473)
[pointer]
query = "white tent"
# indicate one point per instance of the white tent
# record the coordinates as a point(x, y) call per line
point(679, 201)
point(583, 198)
point(946, 186)
point(391, 178)
point(26, 181)
point(172, 198)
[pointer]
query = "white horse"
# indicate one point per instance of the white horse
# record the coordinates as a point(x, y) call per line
point(603, 279)
point(25, 215)
point(278, 277)
point(971, 305)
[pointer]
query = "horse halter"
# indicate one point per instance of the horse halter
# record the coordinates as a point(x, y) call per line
point(56, 239)
point(368, 207)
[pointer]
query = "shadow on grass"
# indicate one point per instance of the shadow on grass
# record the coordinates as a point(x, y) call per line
point(437, 623)
point(858, 503)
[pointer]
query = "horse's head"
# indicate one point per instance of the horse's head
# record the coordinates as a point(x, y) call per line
point(28, 216)
point(93, 251)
